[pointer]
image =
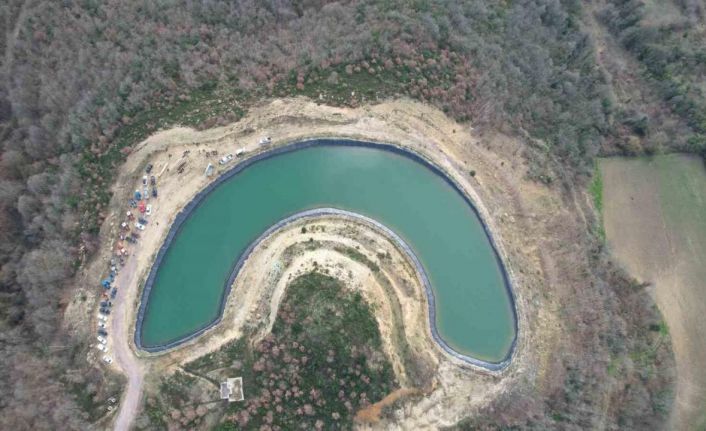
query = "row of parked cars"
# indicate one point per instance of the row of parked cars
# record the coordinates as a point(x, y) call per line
point(110, 291)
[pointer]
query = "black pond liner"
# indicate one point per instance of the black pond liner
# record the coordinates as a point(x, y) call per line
point(186, 212)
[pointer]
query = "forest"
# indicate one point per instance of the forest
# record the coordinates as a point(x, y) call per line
point(83, 80)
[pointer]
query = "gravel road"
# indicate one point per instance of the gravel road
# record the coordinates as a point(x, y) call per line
point(123, 356)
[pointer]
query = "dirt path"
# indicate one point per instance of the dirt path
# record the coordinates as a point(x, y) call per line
point(371, 414)
point(124, 357)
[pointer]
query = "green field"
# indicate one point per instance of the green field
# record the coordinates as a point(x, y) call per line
point(654, 212)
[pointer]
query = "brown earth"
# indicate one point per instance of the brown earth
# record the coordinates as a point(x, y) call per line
point(371, 414)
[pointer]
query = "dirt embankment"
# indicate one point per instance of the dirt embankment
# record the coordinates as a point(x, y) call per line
point(517, 211)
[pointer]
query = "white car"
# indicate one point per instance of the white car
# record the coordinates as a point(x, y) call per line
point(148, 211)
point(107, 359)
point(140, 226)
point(265, 140)
point(101, 339)
point(103, 318)
point(225, 159)
point(102, 347)
point(102, 325)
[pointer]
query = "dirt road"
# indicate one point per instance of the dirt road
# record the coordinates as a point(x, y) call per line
point(123, 356)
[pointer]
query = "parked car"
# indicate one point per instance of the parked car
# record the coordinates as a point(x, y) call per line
point(148, 169)
point(107, 359)
point(102, 348)
point(102, 332)
point(265, 140)
point(142, 220)
point(140, 226)
point(101, 340)
point(154, 192)
point(102, 318)
point(102, 325)
point(104, 310)
point(148, 211)
point(144, 180)
point(113, 293)
point(153, 180)
point(225, 159)
point(104, 304)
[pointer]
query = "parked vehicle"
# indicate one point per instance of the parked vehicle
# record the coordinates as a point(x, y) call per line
point(113, 293)
point(140, 226)
point(148, 169)
point(148, 210)
point(265, 140)
point(154, 192)
point(142, 220)
point(225, 159)
point(101, 340)
point(104, 311)
point(102, 332)
point(106, 304)
point(131, 239)
point(102, 318)
point(102, 348)
point(153, 180)
point(107, 359)
point(102, 325)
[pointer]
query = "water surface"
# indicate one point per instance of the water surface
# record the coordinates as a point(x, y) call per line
point(474, 311)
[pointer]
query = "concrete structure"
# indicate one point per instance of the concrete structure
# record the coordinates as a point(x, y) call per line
point(232, 389)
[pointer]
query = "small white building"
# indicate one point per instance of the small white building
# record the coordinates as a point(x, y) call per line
point(232, 389)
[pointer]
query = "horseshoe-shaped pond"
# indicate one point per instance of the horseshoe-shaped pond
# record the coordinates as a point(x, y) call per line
point(473, 313)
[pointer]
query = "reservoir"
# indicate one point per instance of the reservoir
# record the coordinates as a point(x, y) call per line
point(474, 307)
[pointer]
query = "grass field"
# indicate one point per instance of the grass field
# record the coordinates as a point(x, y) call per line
point(654, 213)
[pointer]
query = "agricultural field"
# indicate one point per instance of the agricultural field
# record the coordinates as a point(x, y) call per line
point(654, 214)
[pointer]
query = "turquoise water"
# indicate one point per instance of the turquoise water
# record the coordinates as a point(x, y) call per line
point(474, 311)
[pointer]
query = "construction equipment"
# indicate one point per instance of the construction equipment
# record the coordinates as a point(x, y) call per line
point(180, 167)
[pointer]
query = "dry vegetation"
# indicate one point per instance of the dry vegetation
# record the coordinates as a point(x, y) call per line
point(84, 80)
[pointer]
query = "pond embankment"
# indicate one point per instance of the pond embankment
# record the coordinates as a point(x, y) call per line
point(472, 305)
